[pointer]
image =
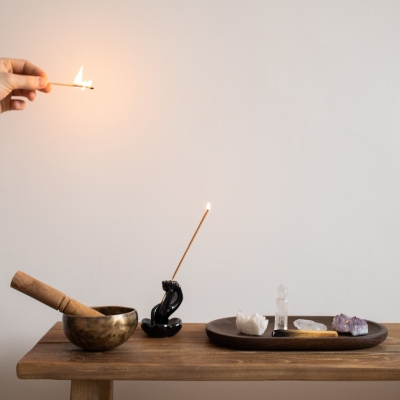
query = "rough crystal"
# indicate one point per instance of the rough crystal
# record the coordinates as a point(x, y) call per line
point(282, 292)
point(253, 324)
point(355, 326)
point(341, 323)
point(308, 324)
point(358, 326)
point(281, 313)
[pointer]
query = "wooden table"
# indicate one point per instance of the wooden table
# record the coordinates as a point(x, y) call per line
point(190, 356)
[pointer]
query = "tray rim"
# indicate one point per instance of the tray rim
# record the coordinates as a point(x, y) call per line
point(287, 343)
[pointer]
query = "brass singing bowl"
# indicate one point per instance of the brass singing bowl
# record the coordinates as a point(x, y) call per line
point(101, 333)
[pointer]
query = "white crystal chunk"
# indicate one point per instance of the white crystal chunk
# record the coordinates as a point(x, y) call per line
point(308, 324)
point(252, 324)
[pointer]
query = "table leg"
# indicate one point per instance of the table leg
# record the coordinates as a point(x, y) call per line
point(106, 389)
point(91, 390)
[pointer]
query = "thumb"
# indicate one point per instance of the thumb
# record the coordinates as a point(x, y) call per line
point(26, 82)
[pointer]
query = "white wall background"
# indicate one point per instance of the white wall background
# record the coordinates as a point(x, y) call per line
point(283, 114)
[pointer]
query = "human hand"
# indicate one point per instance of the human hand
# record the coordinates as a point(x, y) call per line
point(20, 78)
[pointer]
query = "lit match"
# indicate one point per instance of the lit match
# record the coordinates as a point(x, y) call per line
point(71, 85)
point(78, 82)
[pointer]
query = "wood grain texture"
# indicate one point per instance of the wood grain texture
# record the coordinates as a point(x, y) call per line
point(74, 307)
point(84, 390)
point(303, 333)
point(91, 390)
point(37, 290)
point(50, 296)
point(106, 389)
point(191, 356)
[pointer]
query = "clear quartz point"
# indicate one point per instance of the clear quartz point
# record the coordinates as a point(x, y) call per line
point(309, 325)
point(281, 314)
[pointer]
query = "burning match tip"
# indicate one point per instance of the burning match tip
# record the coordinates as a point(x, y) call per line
point(208, 206)
point(84, 87)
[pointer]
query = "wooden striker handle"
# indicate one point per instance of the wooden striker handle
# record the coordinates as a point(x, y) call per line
point(50, 296)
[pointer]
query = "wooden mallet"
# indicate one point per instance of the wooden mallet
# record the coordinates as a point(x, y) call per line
point(50, 296)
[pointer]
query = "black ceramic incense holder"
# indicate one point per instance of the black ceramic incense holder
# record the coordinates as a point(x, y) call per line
point(160, 326)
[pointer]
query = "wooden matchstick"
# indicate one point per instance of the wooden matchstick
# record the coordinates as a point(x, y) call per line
point(303, 333)
point(71, 85)
point(187, 249)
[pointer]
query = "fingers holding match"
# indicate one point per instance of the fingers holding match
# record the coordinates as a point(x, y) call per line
point(28, 76)
point(29, 94)
point(26, 82)
point(19, 80)
point(25, 67)
point(47, 89)
point(17, 105)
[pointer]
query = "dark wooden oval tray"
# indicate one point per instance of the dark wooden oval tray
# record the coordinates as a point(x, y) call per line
point(224, 332)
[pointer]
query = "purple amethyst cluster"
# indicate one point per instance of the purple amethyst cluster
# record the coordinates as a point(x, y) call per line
point(355, 326)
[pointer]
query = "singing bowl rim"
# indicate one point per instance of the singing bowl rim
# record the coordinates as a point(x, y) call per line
point(114, 329)
point(100, 308)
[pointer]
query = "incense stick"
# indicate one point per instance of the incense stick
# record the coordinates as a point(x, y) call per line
point(187, 249)
point(71, 85)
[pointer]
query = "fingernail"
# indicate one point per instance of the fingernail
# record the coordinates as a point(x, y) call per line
point(42, 82)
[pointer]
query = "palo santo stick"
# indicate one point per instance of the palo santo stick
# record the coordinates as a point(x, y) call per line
point(71, 85)
point(303, 333)
point(50, 296)
point(187, 249)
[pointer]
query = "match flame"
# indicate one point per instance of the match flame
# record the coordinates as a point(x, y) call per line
point(78, 80)
point(208, 207)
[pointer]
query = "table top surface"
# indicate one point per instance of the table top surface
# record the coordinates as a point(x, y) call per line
point(191, 356)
